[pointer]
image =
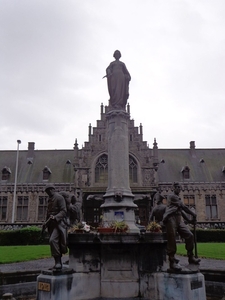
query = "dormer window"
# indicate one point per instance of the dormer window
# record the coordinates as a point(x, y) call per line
point(6, 173)
point(186, 172)
point(30, 161)
point(46, 173)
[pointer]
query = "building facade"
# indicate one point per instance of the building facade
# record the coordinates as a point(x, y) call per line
point(84, 173)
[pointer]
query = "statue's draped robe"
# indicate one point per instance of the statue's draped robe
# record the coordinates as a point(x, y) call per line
point(118, 84)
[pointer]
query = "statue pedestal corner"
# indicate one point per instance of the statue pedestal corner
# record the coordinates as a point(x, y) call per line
point(165, 285)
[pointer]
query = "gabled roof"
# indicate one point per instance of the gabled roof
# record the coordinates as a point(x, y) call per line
point(58, 161)
point(205, 165)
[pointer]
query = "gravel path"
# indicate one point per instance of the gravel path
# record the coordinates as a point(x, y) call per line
point(46, 263)
point(206, 263)
point(33, 265)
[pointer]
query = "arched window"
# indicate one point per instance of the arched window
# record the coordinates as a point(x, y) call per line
point(101, 169)
point(132, 170)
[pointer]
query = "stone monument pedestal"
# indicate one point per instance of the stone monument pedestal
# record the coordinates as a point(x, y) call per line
point(170, 286)
point(54, 284)
point(104, 266)
point(118, 204)
point(119, 265)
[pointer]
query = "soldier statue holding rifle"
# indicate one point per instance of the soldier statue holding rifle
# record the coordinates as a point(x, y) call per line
point(174, 224)
point(56, 225)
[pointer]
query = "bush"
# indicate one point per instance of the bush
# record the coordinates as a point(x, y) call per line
point(25, 236)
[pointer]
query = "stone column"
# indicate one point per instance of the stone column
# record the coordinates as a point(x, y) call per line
point(118, 203)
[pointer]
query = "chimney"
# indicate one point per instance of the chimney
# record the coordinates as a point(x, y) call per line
point(192, 148)
point(192, 145)
point(30, 153)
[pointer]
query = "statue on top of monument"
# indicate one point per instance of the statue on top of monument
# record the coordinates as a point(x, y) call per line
point(118, 79)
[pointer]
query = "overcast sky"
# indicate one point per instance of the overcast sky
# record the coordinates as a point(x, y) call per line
point(53, 55)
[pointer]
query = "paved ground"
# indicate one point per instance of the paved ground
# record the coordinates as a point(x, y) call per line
point(47, 263)
point(40, 264)
point(205, 264)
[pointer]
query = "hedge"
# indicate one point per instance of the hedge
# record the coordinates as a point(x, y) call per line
point(210, 235)
point(32, 236)
point(24, 236)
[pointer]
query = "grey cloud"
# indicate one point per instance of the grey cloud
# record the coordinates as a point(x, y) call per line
point(55, 53)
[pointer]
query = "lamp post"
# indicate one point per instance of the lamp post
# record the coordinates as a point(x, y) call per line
point(14, 194)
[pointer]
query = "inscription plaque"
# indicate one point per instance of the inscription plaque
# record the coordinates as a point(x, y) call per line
point(44, 286)
point(196, 284)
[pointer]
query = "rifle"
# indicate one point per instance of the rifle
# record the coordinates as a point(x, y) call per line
point(44, 226)
point(195, 238)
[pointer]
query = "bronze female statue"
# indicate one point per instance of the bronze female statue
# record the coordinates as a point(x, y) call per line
point(118, 79)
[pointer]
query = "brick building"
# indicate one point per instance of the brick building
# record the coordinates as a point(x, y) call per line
point(84, 172)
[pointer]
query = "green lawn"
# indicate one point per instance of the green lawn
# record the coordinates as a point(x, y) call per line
point(9, 254)
point(206, 250)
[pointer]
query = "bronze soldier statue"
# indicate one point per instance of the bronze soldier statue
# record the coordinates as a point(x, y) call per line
point(158, 210)
point(76, 207)
point(55, 223)
point(73, 205)
point(174, 224)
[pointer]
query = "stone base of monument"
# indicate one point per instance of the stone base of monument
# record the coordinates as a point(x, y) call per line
point(120, 213)
point(118, 265)
point(67, 285)
point(168, 286)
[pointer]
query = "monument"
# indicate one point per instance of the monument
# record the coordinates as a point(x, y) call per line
point(118, 203)
point(119, 265)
